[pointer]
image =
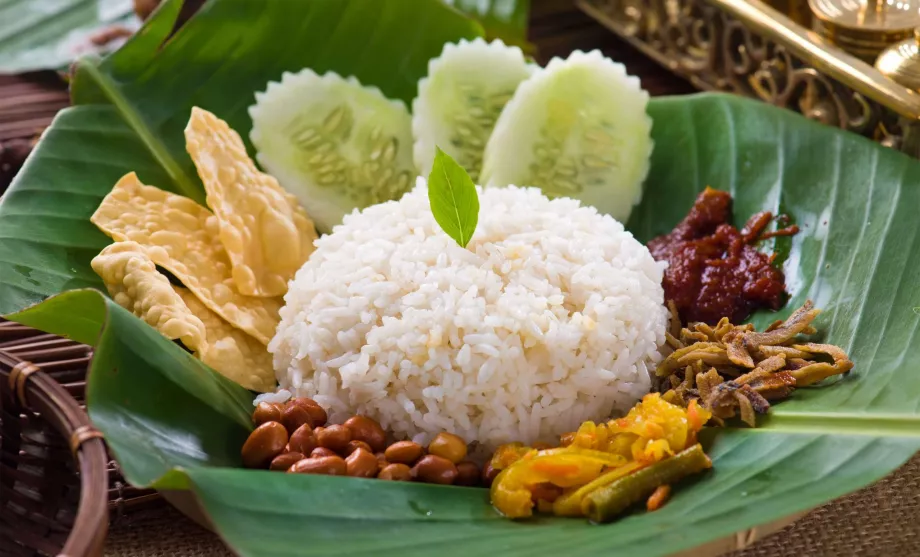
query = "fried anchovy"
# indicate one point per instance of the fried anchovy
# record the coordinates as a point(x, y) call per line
point(744, 369)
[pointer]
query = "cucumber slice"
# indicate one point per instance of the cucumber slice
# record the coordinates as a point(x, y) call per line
point(334, 144)
point(579, 129)
point(460, 100)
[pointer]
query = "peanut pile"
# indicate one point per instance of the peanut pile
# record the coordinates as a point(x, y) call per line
point(294, 437)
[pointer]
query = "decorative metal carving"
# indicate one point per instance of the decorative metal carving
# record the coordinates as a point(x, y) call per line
point(715, 50)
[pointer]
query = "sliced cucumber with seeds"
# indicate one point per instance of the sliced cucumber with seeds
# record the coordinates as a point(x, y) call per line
point(579, 129)
point(460, 100)
point(333, 143)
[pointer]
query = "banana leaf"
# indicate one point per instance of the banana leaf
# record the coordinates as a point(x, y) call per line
point(175, 424)
point(501, 19)
point(50, 34)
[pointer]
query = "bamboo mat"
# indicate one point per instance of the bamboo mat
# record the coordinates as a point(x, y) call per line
point(882, 520)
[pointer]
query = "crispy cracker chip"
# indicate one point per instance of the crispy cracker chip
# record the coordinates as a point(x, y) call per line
point(134, 283)
point(231, 352)
point(181, 236)
point(265, 231)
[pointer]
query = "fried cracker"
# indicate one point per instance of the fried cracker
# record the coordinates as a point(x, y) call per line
point(181, 236)
point(135, 284)
point(231, 352)
point(265, 231)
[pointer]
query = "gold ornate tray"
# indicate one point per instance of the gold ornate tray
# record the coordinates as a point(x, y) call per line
point(747, 47)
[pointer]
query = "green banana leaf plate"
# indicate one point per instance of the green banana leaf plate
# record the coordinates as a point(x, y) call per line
point(176, 425)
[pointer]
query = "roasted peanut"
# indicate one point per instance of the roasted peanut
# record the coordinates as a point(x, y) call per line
point(320, 452)
point(367, 430)
point(449, 446)
point(404, 452)
point(285, 460)
point(329, 465)
point(467, 473)
point(434, 469)
point(397, 472)
point(264, 443)
point(335, 437)
point(266, 412)
point(382, 460)
point(541, 446)
point(566, 439)
point(293, 417)
point(317, 414)
point(300, 400)
point(303, 441)
point(361, 464)
point(488, 474)
point(354, 445)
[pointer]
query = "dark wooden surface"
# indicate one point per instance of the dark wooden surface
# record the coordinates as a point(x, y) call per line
point(27, 105)
point(557, 28)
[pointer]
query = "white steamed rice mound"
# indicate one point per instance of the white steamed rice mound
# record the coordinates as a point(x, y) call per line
point(553, 315)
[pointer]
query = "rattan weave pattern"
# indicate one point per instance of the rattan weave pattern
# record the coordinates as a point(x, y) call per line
point(53, 480)
point(52, 499)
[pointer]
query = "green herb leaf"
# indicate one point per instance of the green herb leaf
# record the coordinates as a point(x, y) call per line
point(453, 198)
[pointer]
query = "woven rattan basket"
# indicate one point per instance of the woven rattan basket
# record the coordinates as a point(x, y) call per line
point(57, 483)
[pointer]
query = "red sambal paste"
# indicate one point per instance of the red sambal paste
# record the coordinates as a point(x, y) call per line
point(714, 269)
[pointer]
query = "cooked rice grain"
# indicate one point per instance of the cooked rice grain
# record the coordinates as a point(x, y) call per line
point(552, 315)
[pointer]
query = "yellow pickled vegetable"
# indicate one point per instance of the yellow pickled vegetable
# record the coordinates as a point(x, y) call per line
point(512, 489)
point(595, 456)
point(660, 428)
point(506, 455)
point(570, 504)
point(591, 436)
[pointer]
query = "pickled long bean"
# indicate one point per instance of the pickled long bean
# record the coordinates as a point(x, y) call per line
point(607, 502)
